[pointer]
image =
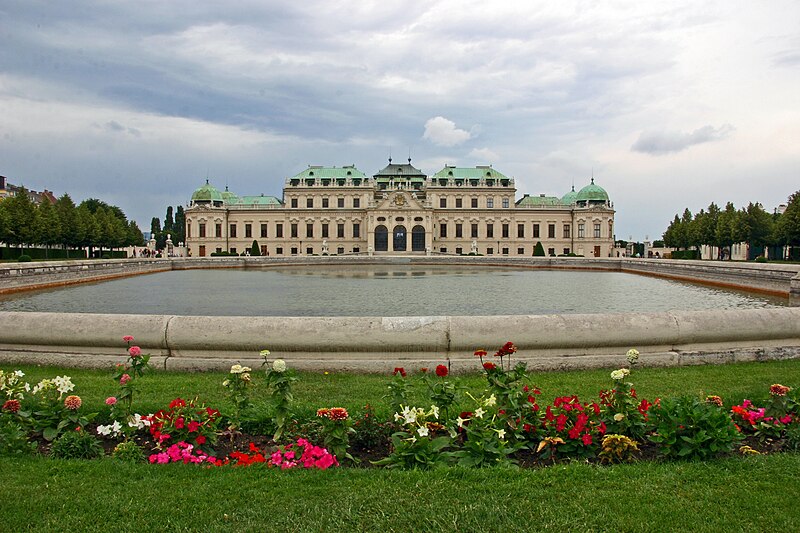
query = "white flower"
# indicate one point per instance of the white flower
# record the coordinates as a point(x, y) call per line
point(410, 415)
point(136, 421)
point(492, 400)
point(619, 417)
point(435, 411)
point(104, 430)
point(226, 383)
point(460, 421)
point(264, 353)
point(397, 417)
point(412, 440)
point(617, 375)
point(423, 431)
point(501, 433)
point(479, 412)
point(279, 365)
point(626, 372)
point(63, 384)
point(19, 373)
point(237, 369)
point(632, 355)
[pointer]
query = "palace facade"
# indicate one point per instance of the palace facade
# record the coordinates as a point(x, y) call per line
point(400, 210)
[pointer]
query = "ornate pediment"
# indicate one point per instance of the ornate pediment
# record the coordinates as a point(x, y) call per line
point(399, 201)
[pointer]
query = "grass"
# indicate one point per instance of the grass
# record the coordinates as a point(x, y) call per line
point(735, 494)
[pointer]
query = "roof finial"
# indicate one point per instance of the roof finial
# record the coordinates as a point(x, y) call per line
point(592, 175)
point(409, 155)
point(390, 155)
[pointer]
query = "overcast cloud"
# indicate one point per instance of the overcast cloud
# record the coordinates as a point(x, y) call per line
point(669, 105)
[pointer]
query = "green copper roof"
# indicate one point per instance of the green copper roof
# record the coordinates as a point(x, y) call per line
point(591, 193)
point(330, 172)
point(570, 198)
point(228, 196)
point(470, 173)
point(207, 193)
point(537, 201)
point(256, 200)
point(407, 171)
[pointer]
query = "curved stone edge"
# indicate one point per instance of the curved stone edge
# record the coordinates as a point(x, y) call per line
point(378, 344)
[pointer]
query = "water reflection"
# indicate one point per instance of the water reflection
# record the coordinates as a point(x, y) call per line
point(368, 290)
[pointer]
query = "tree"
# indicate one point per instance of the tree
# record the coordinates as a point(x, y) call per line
point(72, 229)
point(22, 216)
point(49, 230)
point(180, 225)
point(254, 249)
point(169, 223)
point(729, 228)
point(538, 251)
point(134, 235)
point(787, 228)
point(758, 225)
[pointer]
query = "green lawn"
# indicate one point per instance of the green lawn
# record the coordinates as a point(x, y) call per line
point(734, 494)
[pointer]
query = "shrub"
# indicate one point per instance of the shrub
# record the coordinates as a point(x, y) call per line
point(14, 439)
point(129, 451)
point(24, 259)
point(617, 449)
point(761, 259)
point(370, 433)
point(687, 428)
point(538, 251)
point(255, 250)
point(76, 445)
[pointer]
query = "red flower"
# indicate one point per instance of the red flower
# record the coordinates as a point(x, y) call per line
point(489, 366)
point(177, 402)
point(12, 406)
point(127, 338)
point(399, 370)
point(561, 421)
point(441, 371)
point(480, 352)
point(779, 390)
point(179, 423)
point(338, 413)
point(194, 425)
point(574, 433)
point(424, 369)
point(587, 439)
point(201, 439)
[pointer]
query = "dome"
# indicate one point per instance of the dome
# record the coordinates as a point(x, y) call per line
point(570, 198)
point(592, 193)
point(228, 196)
point(207, 194)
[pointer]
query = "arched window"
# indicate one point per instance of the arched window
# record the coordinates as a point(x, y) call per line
point(381, 239)
point(418, 239)
point(399, 238)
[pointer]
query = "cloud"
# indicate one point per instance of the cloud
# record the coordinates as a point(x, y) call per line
point(443, 132)
point(666, 142)
point(484, 154)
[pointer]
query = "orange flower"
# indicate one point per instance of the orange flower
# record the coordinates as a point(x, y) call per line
point(73, 403)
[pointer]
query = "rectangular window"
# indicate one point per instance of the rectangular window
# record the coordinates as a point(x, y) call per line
point(279, 231)
point(505, 231)
point(232, 233)
point(505, 251)
point(356, 249)
point(505, 203)
point(489, 251)
point(490, 202)
point(580, 231)
point(309, 203)
point(443, 249)
point(459, 250)
point(442, 203)
point(340, 203)
point(263, 231)
point(248, 231)
point(551, 231)
point(294, 232)
point(279, 250)
point(294, 203)
point(459, 231)
point(356, 230)
point(566, 231)
point(597, 231)
point(340, 250)
point(443, 230)
point(202, 251)
point(264, 250)
point(309, 231)
point(551, 252)
point(294, 250)
point(520, 251)
point(458, 203)
point(233, 251)
point(324, 231)
point(188, 230)
point(536, 231)
point(520, 231)
point(473, 231)
point(340, 231)
point(218, 229)
point(474, 203)
point(356, 202)
point(325, 203)
point(489, 231)
point(202, 230)
point(566, 251)
point(309, 251)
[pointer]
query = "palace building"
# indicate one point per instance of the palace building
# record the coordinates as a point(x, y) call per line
point(400, 210)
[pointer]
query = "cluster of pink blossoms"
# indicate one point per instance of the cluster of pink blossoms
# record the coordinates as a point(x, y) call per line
point(182, 452)
point(752, 415)
point(304, 454)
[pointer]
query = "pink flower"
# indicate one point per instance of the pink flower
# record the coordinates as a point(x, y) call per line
point(179, 423)
point(135, 351)
point(111, 400)
point(786, 419)
point(127, 338)
point(124, 379)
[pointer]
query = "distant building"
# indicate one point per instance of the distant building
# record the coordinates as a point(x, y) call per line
point(7, 189)
point(332, 210)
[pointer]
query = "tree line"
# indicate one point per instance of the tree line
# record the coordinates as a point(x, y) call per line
point(92, 224)
point(175, 226)
point(723, 228)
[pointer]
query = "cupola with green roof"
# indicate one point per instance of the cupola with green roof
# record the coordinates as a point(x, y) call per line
point(570, 198)
point(591, 195)
point(207, 195)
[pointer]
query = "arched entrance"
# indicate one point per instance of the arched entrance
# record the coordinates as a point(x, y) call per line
point(418, 239)
point(399, 242)
point(381, 239)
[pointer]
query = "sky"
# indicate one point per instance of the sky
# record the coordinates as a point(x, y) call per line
point(668, 105)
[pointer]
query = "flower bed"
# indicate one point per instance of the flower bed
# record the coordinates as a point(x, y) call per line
point(505, 423)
